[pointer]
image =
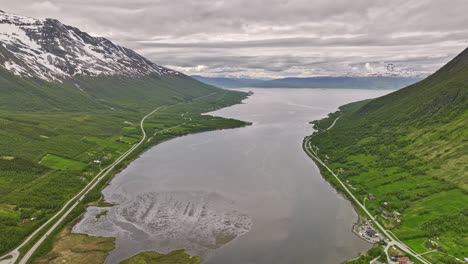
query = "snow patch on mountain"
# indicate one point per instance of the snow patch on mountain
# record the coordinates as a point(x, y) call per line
point(16, 69)
point(52, 51)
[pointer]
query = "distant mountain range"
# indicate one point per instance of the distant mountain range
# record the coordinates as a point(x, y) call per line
point(228, 82)
point(365, 82)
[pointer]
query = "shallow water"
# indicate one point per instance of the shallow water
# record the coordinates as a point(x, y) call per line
point(246, 195)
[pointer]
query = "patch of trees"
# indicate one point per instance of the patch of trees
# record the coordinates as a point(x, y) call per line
point(455, 223)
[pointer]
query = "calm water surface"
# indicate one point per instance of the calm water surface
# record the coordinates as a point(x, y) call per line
point(240, 196)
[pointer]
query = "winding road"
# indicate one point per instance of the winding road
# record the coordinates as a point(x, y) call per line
point(391, 241)
point(15, 253)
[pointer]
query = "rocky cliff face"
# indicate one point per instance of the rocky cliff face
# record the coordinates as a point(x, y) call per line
point(52, 51)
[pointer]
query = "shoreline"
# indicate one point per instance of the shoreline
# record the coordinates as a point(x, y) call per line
point(388, 240)
point(342, 194)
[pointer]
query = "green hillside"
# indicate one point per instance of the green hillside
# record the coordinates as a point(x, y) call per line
point(409, 149)
point(97, 93)
point(51, 132)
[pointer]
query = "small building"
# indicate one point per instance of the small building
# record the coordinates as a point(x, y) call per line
point(385, 203)
point(96, 161)
point(26, 220)
point(387, 215)
point(341, 170)
point(435, 244)
point(403, 260)
point(348, 181)
point(371, 197)
point(371, 232)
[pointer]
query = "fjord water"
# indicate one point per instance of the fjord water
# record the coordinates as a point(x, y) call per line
point(238, 196)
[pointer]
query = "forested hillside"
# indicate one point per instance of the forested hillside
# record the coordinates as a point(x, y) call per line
point(409, 150)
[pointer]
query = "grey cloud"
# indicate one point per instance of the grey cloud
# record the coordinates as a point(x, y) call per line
point(311, 42)
point(271, 37)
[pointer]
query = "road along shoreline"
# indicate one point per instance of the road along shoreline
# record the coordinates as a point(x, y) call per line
point(391, 240)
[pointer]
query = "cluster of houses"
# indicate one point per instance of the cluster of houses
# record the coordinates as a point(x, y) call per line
point(392, 216)
point(348, 182)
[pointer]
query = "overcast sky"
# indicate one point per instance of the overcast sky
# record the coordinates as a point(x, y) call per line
point(272, 38)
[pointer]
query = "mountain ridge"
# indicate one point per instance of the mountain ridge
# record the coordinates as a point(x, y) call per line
point(48, 66)
point(52, 51)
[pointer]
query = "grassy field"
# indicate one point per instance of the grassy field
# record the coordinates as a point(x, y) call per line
point(151, 257)
point(60, 163)
point(78, 249)
point(409, 150)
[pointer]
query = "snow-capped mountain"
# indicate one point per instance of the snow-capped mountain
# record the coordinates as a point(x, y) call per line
point(383, 69)
point(52, 51)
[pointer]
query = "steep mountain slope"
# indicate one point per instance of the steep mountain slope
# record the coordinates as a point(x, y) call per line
point(52, 51)
point(409, 149)
point(441, 93)
point(84, 93)
point(46, 65)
